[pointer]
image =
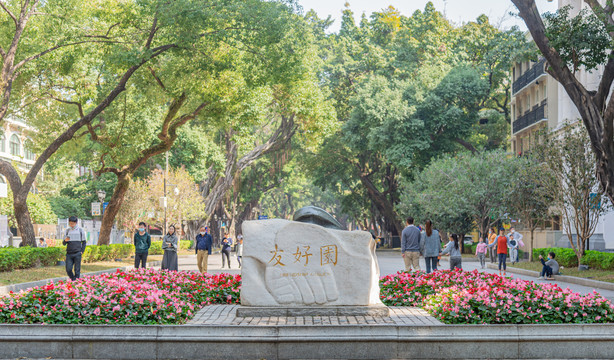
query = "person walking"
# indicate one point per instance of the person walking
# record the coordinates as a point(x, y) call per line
point(515, 239)
point(142, 243)
point(204, 244)
point(410, 245)
point(239, 249)
point(430, 246)
point(492, 245)
point(480, 252)
point(226, 244)
point(170, 244)
point(452, 248)
point(75, 241)
point(502, 245)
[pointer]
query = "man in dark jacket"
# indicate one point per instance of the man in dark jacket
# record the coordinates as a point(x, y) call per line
point(142, 243)
point(204, 243)
point(75, 241)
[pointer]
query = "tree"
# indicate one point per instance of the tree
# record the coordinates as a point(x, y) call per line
point(92, 78)
point(476, 186)
point(42, 212)
point(575, 191)
point(142, 200)
point(582, 42)
point(532, 197)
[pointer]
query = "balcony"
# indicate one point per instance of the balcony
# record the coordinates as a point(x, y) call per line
point(532, 117)
point(529, 76)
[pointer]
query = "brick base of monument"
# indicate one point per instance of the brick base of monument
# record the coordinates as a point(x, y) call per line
point(262, 311)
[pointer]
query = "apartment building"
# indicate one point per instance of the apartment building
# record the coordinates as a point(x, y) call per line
point(540, 105)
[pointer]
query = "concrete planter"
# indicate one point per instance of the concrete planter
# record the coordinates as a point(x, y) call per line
point(308, 342)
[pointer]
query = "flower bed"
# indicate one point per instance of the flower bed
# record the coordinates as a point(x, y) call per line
point(459, 297)
point(133, 297)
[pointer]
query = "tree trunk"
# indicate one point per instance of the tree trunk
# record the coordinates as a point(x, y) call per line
point(531, 244)
point(119, 193)
point(24, 221)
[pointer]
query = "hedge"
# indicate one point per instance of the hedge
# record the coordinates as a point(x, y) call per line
point(567, 257)
point(12, 258)
point(27, 257)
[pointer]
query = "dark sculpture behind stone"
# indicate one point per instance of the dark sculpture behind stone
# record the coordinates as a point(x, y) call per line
point(318, 216)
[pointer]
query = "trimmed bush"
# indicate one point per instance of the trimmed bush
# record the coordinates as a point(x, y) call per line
point(95, 253)
point(567, 257)
point(29, 257)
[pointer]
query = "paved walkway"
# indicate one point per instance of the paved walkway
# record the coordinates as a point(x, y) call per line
point(225, 315)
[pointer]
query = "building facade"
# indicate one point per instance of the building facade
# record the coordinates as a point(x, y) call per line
point(539, 106)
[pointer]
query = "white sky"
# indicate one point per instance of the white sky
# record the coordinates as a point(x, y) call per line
point(458, 11)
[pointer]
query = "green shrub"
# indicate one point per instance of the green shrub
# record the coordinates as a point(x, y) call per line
point(565, 257)
point(598, 260)
point(156, 248)
point(111, 252)
point(185, 244)
point(28, 257)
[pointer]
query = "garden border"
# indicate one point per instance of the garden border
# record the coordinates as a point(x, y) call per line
point(25, 286)
point(569, 279)
point(307, 342)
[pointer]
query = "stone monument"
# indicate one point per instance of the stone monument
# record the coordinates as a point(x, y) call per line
point(308, 268)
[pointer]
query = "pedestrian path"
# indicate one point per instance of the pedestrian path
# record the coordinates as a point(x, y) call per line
point(226, 315)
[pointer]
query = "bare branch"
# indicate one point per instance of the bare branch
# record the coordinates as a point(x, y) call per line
point(153, 73)
point(12, 16)
point(152, 32)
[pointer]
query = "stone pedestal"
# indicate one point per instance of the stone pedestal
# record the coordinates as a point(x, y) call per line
point(265, 311)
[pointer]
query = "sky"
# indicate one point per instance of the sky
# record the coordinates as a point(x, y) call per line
point(458, 11)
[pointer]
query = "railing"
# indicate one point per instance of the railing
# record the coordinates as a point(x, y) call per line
point(530, 118)
point(529, 76)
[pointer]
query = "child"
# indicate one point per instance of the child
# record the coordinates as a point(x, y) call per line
point(480, 252)
point(551, 267)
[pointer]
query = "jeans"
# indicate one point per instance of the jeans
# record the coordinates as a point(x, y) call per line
point(502, 258)
point(456, 262)
point(73, 260)
point(140, 259)
point(482, 259)
point(546, 271)
point(431, 263)
point(226, 253)
point(239, 260)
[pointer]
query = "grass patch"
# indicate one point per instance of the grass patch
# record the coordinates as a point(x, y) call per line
point(594, 274)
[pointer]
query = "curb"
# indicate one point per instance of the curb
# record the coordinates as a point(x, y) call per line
point(25, 286)
point(569, 279)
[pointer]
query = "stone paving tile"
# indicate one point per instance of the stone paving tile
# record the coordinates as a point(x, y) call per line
point(225, 315)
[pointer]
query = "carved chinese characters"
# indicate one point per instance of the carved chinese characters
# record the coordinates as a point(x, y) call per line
point(300, 264)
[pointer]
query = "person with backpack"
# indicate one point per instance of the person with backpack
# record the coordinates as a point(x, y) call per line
point(452, 248)
point(142, 243)
point(75, 240)
point(430, 246)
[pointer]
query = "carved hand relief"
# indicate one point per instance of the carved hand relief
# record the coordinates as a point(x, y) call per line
point(294, 263)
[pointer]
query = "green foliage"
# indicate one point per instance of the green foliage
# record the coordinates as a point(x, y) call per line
point(27, 257)
point(567, 257)
point(65, 207)
point(84, 191)
point(94, 253)
point(40, 209)
point(460, 192)
point(581, 41)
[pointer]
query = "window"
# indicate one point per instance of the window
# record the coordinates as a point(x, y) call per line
point(15, 145)
point(29, 154)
